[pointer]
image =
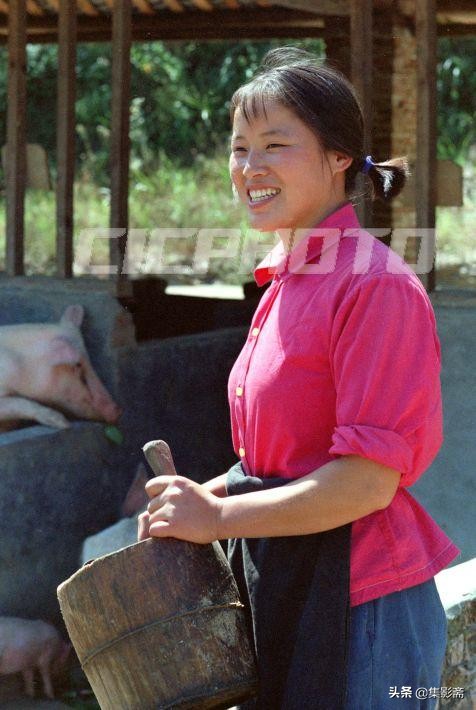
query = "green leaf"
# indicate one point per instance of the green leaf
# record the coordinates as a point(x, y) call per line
point(113, 434)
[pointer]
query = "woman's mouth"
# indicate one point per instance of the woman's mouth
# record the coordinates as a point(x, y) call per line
point(258, 197)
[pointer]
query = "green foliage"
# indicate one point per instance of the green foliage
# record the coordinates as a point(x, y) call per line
point(180, 95)
point(456, 84)
point(190, 196)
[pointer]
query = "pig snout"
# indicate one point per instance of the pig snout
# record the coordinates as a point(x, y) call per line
point(76, 390)
point(110, 411)
point(102, 403)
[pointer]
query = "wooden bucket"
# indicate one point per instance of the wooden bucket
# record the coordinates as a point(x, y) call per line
point(159, 624)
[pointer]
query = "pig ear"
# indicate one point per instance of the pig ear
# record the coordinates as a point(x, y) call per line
point(63, 352)
point(73, 314)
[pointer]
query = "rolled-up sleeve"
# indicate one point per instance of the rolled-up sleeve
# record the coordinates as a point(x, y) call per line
point(385, 360)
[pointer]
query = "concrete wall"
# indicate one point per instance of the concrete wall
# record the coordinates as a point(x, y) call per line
point(177, 391)
point(56, 487)
point(446, 489)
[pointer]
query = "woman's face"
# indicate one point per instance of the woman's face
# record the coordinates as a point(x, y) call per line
point(281, 173)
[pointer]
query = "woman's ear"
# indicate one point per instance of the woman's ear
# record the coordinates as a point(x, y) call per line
point(340, 162)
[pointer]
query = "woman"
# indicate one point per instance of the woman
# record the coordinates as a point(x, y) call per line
point(335, 410)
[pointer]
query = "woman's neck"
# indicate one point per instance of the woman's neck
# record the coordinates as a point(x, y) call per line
point(291, 236)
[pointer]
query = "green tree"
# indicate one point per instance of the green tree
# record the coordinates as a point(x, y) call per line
point(456, 83)
point(180, 95)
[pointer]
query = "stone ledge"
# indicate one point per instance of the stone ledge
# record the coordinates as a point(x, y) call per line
point(457, 590)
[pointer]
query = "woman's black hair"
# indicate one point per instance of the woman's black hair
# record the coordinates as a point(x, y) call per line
point(326, 102)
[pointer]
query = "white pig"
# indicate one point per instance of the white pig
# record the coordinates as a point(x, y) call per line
point(45, 373)
point(26, 645)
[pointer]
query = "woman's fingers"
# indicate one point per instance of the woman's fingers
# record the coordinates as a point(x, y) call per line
point(160, 529)
point(143, 522)
point(158, 484)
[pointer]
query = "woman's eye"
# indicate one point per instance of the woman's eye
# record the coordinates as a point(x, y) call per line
point(239, 149)
point(275, 145)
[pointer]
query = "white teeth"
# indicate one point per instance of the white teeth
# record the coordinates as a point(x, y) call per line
point(263, 194)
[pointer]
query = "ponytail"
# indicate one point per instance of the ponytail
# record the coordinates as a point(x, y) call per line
point(387, 178)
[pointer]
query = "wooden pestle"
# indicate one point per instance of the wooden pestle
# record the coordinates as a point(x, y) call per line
point(159, 457)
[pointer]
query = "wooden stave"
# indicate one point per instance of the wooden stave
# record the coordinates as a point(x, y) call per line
point(222, 598)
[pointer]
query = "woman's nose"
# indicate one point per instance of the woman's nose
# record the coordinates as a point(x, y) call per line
point(255, 165)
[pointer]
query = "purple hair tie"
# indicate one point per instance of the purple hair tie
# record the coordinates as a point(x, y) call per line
point(368, 164)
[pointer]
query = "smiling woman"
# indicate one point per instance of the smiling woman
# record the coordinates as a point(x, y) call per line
point(292, 183)
point(335, 411)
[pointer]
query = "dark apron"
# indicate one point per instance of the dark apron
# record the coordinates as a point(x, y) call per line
point(297, 588)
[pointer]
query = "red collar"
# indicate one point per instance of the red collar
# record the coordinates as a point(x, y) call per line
point(309, 248)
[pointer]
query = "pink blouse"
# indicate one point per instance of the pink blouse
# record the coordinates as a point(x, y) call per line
point(343, 358)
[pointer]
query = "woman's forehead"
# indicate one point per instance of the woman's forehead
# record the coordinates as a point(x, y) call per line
point(272, 119)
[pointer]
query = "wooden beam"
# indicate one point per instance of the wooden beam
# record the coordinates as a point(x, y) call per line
point(188, 33)
point(16, 138)
point(456, 7)
point(226, 24)
point(119, 159)
point(361, 35)
point(425, 165)
point(456, 30)
point(65, 136)
point(320, 7)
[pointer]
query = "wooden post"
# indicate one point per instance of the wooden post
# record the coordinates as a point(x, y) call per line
point(65, 136)
point(361, 42)
point(16, 138)
point(425, 167)
point(121, 43)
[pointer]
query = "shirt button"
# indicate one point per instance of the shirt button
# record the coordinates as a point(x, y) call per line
point(255, 332)
point(239, 391)
point(241, 451)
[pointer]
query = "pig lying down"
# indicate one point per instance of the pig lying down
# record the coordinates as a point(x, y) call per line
point(45, 374)
point(26, 645)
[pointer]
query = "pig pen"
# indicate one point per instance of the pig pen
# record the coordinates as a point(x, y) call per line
point(60, 486)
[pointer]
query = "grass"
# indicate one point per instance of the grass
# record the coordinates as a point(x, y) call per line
point(174, 198)
point(193, 198)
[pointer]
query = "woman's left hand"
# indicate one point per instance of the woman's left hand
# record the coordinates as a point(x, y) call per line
point(182, 509)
